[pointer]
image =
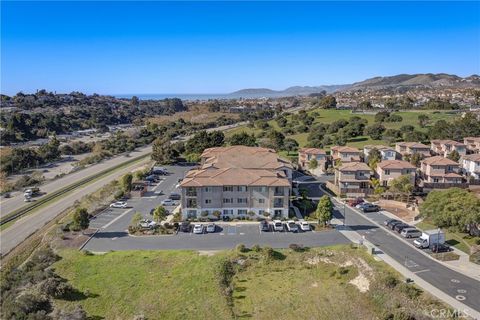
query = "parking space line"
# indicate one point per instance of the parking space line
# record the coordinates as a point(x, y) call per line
point(110, 223)
point(424, 270)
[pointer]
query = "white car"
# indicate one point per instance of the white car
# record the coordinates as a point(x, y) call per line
point(210, 228)
point(277, 225)
point(292, 226)
point(168, 202)
point(147, 224)
point(198, 229)
point(305, 226)
point(119, 204)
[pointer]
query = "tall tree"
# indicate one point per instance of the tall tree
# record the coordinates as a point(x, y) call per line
point(454, 156)
point(126, 182)
point(80, 219)
point(243, 138)
point(290, 145)
point(324, 212)
point(160, 213)
point(423, 120)
point(163, 152)
point(374, 157)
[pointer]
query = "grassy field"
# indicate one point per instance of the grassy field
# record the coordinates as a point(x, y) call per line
point(196, 114)
point(262, 285)
point(329, 116)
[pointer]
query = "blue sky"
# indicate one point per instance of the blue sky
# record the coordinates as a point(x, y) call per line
point(220, 47)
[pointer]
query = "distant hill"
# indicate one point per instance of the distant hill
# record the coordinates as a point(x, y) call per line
point(390, 82)
point(425, 80)
point(291, 91)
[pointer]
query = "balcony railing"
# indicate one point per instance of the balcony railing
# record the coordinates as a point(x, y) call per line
point(191, 193)
point(280, 193)
point(278, 204)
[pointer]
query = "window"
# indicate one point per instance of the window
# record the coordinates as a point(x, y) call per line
point(227, 212)
point(242, 200)
point(208, 201)
point(261, 212)
point(435, 180)
point(207, 189)
point(261, 200)
point(242, 188)
point(387, 172)
point(242, 211)
point(260, 189)
point(228, 188)
point(361, 174)
point(191, 203)
point(227, 200)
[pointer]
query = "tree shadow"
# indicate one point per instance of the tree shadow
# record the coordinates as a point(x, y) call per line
point(77, 295)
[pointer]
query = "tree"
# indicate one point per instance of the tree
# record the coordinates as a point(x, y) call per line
point(126, 182)
point(243, 139)
point(402, 184)
point(365, 105)
point(160, 213)
point(305, 203)
point(50, 151)
point(80, 219)
point(377, 188)
point(374, 157)
point(415, 159)
point(324, 212)
point(328, 102)
point(290, 144)
point(134, 101)
point(313, 164)
point(193, 157)
point(276, 139)
point(203, 140)
point(137, 217)
point(423, 120)
point(454, 208)
point(375, 131)
point(454, 156)
point(163, 152)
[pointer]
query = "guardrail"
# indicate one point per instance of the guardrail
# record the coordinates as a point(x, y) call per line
point(26, 209)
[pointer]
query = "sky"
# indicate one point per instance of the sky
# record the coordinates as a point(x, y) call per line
point(219, 47)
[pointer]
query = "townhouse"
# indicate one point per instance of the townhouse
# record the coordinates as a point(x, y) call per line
point(305, 155)
point(445, 147)
point(440, 172)
point(410, 148)
point(388, 153)
point(389, 170)
point(352, 179)
point(472, 144)
point(470, 164)
point(345, 154)
point(237, 181)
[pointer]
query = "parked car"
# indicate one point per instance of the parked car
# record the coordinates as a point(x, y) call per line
point(211, 228)
point(387, 222)
point(28, 199)
point(440, 247)
point(305, 226)
point(264, 226)
point(174, 196)
point(167, 202)
point(185, 226)
point(292, 226)
point(399, 227)
point(147, 224)
point(355, 202)
point(393, 224)
point(119, 204)
point(361, 205)
point(410, 233)
point(277, 225)
point(198, 229)
point(370, 208)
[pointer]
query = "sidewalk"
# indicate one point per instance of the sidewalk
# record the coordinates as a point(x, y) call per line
point(354, 237)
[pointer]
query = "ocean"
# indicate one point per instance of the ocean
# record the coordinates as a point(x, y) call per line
point(155, 96)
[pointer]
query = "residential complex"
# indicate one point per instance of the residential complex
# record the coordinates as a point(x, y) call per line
point(305, 155)
point(237, 181)
point(472, 144)
point(410, 148)
point(471, 165)
point(440, 172)
point(445, 147)
point(345, 154)
point(352, 179)
point(387, 153)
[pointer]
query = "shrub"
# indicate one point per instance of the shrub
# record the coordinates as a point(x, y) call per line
point(241, 248)
point(119, 194)
point(296, 247)
point(390, 281)
point(55, 287)
point(343, 270)
point(256, 248)
point(268, 253)
point(411, 291)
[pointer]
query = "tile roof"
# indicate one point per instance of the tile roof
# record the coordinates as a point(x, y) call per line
point(447, 141)
point(395, 164)
point(345, 149)
point(417, 145)
point(312, 151)
point(354, 166)
point(439, 160)
point(472, 157)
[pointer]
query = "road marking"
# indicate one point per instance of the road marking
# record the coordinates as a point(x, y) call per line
point(460, 297)
point(424, 270)
point(462, 291)
point(455, 281)
point(242, 233)
point(110, 223)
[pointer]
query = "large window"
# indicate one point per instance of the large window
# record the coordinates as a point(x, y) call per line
point(208, 201)
point(207, 189)
point(242, 211)
point(227, 200)
point(242, 188)
point(261, 200)
point(228, 188)
point(242, 200)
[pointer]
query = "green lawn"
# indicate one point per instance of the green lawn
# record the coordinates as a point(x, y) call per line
point(461, 241)
point(285, 285)
point(330, 115)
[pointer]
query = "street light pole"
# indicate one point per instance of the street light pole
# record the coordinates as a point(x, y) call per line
point(344, 216)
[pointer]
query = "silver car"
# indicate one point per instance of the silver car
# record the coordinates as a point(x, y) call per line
point(210, 228)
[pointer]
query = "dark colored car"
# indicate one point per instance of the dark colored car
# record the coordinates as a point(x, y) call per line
point(399, 227)
point(264, 226)
point(354, 202)
point(174, 196)
point(185, 226)
point(389, 222)
point(438, 247)
point(393, 224)
point(370, 208)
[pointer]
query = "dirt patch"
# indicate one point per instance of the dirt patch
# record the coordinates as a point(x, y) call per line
point(398, 209)
point(207, 253)
point(361, 282)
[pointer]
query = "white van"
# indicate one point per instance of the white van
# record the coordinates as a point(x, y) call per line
point(410, 233)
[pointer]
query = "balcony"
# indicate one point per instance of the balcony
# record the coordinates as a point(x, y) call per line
point(277, 204)
point(191, 193)
point(279, 193)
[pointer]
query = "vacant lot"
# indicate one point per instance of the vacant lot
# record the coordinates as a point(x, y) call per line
point(329, 116)
point(328, 283)
point(197, 114)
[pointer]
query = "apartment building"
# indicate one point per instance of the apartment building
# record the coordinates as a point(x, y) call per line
point(388, 153)
point(445, 147)
point(305, 155)
point(440, 172)
point(345, 154)
point(352, 179)
point(409, 148)
point(470, 164)
point(237, 181)
point(389, 170)
point(472, 144)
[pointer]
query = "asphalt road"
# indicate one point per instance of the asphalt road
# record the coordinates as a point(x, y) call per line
point(455, 284)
